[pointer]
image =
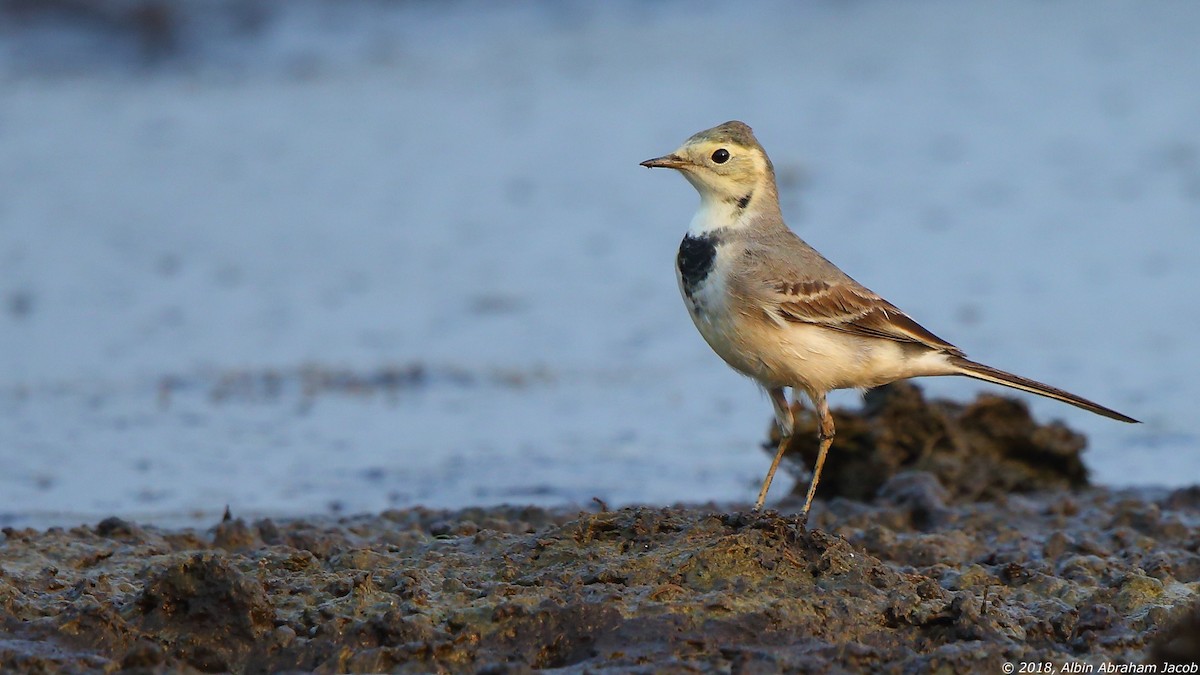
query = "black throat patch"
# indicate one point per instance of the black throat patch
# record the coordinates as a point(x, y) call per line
point(695, 260)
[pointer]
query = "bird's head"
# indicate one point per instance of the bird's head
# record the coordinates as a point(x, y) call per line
point(724, 163)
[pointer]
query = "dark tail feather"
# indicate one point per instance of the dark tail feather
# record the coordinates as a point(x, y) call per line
point(989, 374)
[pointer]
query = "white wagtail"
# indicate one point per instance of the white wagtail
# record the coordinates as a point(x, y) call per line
point(777, 311)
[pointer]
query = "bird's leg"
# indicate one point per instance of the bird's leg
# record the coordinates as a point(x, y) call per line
point(825, 431)
point(783, 417)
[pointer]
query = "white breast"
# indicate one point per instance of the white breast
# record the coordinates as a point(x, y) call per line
point(710, 310)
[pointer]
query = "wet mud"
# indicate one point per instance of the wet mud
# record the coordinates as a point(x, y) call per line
point(973, 541)
point(979, 451)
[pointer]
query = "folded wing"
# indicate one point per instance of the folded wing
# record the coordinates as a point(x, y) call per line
point(849, 308)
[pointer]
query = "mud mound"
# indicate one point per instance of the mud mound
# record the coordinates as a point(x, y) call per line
point(979, 451)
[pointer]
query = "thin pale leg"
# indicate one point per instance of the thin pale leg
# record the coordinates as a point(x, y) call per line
point(825, 435)
point(783, 416)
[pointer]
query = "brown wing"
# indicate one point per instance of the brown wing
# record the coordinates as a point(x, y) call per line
point(851, 309)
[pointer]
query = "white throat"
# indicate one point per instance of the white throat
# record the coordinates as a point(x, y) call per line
point(716, 214)
point(728, 208)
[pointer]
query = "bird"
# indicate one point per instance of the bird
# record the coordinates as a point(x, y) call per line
point(777, 311)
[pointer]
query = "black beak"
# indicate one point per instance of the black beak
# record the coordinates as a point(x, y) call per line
point(671, 161)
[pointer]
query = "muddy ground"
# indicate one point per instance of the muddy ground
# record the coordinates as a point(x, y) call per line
point(945, 538)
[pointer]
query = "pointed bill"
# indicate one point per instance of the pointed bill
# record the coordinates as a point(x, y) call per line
point(671, 161)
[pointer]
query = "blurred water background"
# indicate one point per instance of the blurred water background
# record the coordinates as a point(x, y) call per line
point(313, 256)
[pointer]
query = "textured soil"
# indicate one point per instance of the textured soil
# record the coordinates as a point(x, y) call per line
point(968, 540)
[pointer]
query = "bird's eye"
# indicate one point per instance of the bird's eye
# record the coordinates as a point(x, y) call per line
point(720, 156)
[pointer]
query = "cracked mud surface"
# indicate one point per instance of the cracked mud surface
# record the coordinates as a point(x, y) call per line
point(928, 574)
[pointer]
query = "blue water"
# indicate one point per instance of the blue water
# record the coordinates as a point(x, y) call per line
point(193, 235)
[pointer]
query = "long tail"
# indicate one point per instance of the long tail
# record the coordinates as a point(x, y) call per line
point(989, 374)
